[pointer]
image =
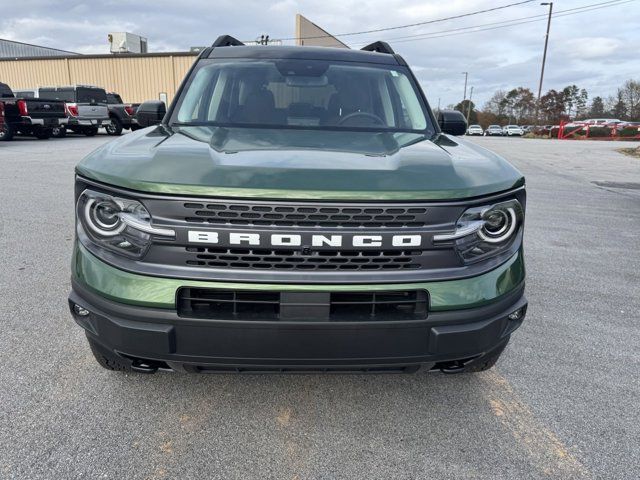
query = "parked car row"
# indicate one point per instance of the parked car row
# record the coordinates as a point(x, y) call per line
point(44, 112)
point(496, 130)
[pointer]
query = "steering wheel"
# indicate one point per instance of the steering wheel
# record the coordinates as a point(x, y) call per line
point(376, 119)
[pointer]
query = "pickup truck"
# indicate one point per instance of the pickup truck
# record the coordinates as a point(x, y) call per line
point(297, 209)
point(28, 116)
point(86, 108)
point(122, 114)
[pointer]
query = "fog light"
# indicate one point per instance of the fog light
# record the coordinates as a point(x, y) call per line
point(517, 315)
point(83, 312)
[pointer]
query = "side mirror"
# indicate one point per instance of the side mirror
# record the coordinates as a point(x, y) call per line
point(452, 122)
point(151, 113)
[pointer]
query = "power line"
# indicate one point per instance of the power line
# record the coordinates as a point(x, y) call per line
point(505, 23)
point(454, 17)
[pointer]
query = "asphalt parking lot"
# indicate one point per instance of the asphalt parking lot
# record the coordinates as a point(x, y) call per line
point(561, 403)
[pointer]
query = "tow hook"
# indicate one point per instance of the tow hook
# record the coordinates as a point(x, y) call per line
point(453, 367)
point(142, 367)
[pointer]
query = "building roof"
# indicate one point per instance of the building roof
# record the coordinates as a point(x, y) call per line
point(13, 49)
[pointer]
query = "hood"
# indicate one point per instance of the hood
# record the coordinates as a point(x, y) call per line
point(302, 164)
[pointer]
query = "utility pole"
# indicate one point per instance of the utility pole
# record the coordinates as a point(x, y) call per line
point(466, 75)
point(469, 105)
point(438, 104)
point(544, 59)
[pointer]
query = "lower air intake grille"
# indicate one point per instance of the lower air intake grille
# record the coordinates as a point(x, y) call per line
point(216, 304)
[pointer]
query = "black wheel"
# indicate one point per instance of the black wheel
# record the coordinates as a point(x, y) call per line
point(114, 128)
point(59, 132)
point(486, 361)
point(480, 364)
point(6, 133)
point(107, 359)
point(90, 131)
point(42, 134)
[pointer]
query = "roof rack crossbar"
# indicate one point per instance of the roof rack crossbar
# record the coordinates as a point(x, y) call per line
point(380, 47)
point(227, 41)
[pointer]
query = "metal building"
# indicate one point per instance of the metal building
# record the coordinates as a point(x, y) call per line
point(135, 76)
point(12, 49)
point(310, 34)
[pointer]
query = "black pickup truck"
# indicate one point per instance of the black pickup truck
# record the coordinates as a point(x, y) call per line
point(29, 116)
point(121, 114)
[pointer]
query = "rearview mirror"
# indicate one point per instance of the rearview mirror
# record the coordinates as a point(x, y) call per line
point(452, 122)
point(151, 113)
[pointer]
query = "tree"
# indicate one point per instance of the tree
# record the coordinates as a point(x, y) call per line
point(597, 108)
point(463, 107)
point(521, 104)
point(617, 107)
point(497, 104)
point(552, 106)
point(631, 97)
point(575, 100)
point(581, 104)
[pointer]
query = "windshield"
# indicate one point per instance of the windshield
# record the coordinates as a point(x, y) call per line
point(91, 95)
point(309, 94)
point(114, 99)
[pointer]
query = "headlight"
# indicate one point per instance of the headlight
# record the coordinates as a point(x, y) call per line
point(118, 224)
point(485, 231)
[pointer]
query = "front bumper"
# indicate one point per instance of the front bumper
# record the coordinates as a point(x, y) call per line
point(152, 331)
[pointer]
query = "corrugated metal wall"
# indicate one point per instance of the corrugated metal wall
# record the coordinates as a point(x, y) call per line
point(135, 77)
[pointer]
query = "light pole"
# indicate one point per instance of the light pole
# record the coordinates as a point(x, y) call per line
point(466, 75)
point(469, 105)
point(544, 58)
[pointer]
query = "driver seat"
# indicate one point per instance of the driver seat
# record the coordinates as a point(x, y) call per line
point(345, 102)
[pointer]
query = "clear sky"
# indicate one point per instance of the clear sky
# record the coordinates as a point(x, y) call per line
point(597, 49)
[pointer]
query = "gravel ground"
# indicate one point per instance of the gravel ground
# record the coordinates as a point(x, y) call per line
point(561, 403)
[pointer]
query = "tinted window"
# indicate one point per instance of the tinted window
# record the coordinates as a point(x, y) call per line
point(65, 94)
point(91, 95)
point(114, 98)
point(25, 94)
point(302, 93)
point(5, 91)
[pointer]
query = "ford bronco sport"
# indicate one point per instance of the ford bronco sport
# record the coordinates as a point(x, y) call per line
point(297, 209)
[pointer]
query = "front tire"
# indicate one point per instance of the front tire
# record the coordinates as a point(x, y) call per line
point(480, 364)
point(111, 361)
point(6, 134)
point(59, 132)
point(107, 359)
point(114, 128)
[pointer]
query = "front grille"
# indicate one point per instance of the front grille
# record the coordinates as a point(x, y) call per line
point(263, 259)
point(247, 305)
point(271, 215)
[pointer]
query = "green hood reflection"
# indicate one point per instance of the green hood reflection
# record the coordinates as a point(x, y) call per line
point(291, 163)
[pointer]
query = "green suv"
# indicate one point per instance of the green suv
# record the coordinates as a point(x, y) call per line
point(297, 209)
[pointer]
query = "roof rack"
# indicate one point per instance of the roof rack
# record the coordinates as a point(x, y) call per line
point(380, 47)
point(227, 41)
